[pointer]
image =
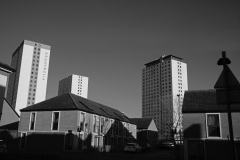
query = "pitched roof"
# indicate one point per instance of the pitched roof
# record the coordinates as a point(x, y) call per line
point(204, 101)
point(142, 123)
point(69, 101)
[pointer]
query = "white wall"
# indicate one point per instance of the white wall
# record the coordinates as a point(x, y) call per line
point(42, 78)
point(85, 87)
point(74, 86)
point(184, 76)
point(24, 78)
point(84, 84)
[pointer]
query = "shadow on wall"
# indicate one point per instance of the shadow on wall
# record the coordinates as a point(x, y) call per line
point(116, 137)
point(10, 126)
point(194, 131)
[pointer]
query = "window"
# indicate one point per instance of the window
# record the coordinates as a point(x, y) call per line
point(23, 141)
point(95, 124)
point(82, 121)
point(127, 134)
point(213, 125)
point(116, 127)
point(124, 129)
point(69, 140)
point(102, 125)
point(112, 127)
point(32, 121)
point(55, 121)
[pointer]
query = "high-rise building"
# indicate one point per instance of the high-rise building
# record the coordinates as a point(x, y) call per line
point(163, 84)
point(74, 84)
point(28, 84)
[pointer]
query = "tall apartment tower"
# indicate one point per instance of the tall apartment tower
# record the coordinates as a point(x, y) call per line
point(28, 84)
point(74, 84)
point(163, 84)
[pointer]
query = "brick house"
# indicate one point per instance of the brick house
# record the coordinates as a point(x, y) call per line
point(71, 123)
point(147, 131)
point(205, 126)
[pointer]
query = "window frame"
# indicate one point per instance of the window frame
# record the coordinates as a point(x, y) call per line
point(20, 148)
point(34, 121)
point(96, 124)
point(220, 128)
point(65, 138)
point(101, 126)
point(58, 120)
point(82, 113)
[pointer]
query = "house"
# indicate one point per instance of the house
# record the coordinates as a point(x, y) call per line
point(147, 131)
point(205, 126)
point(9, 118)
point(72, 123)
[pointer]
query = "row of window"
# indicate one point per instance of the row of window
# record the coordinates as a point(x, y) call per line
point(100, 124)
point(34, 74)
point(54, 124)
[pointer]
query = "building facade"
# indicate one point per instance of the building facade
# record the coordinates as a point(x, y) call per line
point(163, 84)
point(146, 131)
point(73, 123)
point(205, 126)
point(74, 84)
point(28, 84)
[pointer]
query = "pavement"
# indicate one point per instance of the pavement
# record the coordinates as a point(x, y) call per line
point(119, 155)
point(116, 155)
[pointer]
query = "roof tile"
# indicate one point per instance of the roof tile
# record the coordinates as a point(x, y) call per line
point(204, 101)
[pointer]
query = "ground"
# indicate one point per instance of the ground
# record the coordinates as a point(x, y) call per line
point(118, 155)
point(153, 155)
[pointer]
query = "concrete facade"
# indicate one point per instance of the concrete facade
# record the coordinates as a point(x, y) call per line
point(74, 84)
point(28, 84)
point(164, 82)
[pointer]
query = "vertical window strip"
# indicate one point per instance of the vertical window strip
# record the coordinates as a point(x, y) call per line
point(32, 121)
point(55, 121)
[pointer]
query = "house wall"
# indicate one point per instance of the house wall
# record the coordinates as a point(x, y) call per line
point(195, 133)
point(43, 121)
point(68, 120)
point(24, 121)
point(235, 122)
point(194, 125)
point(148, 136)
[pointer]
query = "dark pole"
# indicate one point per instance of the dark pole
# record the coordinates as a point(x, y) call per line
point(232, 146)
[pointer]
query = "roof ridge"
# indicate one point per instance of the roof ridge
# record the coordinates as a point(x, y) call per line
point(73, 100)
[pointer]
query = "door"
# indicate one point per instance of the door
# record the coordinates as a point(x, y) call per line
point(195, 150)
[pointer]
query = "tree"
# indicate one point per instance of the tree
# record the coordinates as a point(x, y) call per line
point(174, 119)
point(177, 118)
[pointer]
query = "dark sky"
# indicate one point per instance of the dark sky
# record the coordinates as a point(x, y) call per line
point(109, 41)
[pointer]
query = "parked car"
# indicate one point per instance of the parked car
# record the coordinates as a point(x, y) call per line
point(165, 145)
point(145, 147)
point(132, 147)
point(3, 147)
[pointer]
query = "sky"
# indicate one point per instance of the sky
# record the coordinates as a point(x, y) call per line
point(109, 41)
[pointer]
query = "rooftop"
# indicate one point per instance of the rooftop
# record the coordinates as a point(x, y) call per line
point(69, 101)
point(163, 58)
point(142, 123)
point(204, 101)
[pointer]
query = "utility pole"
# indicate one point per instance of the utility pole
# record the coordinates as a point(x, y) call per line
point(225, 69)
point(227, 91)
